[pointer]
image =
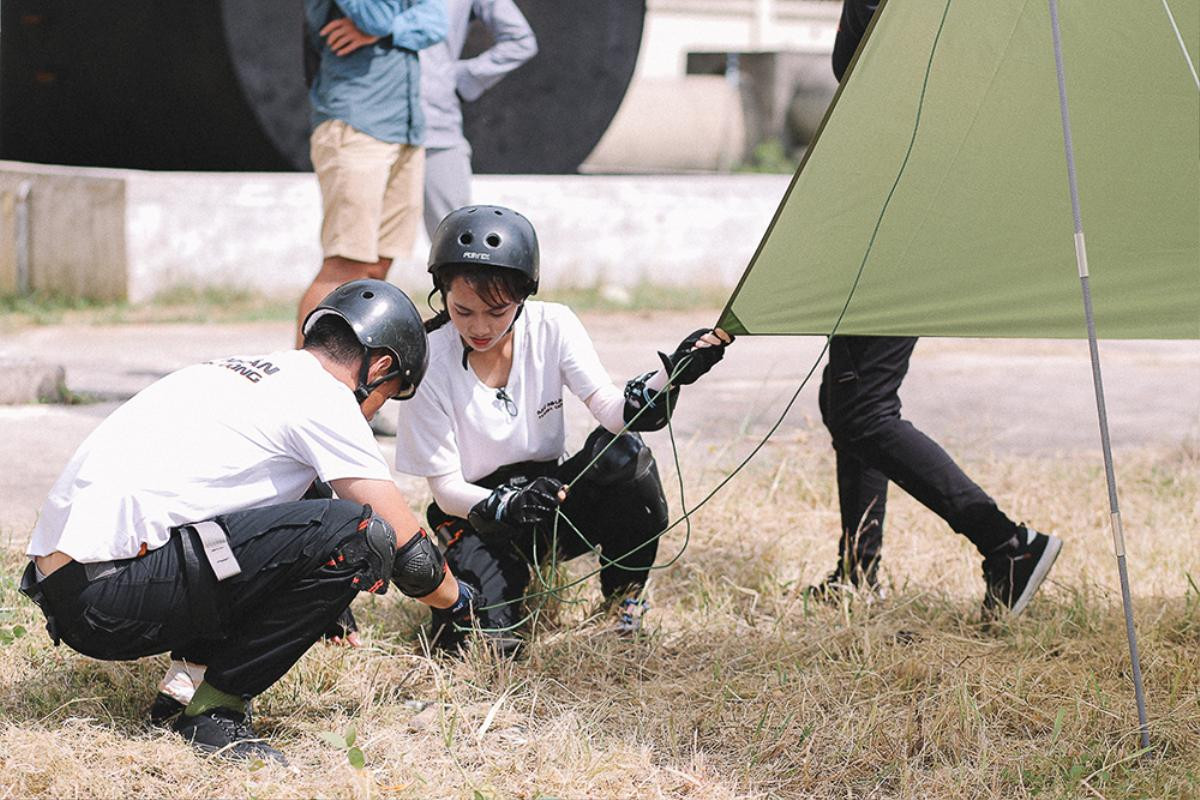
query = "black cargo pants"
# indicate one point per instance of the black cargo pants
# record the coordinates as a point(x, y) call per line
point(248, 629)
point(860, 405)
point(619, 509)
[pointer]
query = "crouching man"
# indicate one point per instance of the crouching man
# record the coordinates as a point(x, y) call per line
point(195, 539)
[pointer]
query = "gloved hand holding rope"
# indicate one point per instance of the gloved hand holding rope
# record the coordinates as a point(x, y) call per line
point(696, 355)
point(510, 507)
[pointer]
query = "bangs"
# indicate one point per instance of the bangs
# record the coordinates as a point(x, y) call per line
point(491, 288)
point(495, 286)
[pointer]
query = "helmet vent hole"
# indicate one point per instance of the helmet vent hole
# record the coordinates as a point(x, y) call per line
point(498, 212)
point(368, 295)
point(466, 238)
point(493, 240)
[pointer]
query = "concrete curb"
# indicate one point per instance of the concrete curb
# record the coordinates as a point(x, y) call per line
point(27, 382)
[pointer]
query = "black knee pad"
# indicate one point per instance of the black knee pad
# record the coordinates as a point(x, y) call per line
point(628, 464)
point(419, 566)
point(627, 460)
point(372, 548)
point(649, 489)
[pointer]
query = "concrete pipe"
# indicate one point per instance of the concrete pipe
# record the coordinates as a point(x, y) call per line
point(693, 123)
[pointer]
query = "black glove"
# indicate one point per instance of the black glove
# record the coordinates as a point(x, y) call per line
point(699, 360)
point(513, 506)
point(342, 627)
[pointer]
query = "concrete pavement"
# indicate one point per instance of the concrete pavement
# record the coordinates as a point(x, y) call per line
point(975, 396)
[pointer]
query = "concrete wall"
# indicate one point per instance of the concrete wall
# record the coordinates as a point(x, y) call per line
point(130, 234)
point(10, 280)
point(75, 239)
point(664, 229)
point(256, 231)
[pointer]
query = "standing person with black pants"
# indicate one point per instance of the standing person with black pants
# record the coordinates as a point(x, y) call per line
point(860, 405)
point(197, 541)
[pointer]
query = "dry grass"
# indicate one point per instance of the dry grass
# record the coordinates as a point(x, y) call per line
point(739, 689)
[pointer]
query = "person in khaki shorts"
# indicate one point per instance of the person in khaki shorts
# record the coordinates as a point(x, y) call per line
point(367, 133)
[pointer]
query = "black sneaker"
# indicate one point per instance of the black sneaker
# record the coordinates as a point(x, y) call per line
point(225, 732)
point(164, 709)
point(1015, 573)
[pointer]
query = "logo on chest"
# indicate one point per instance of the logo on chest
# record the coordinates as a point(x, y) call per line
point(553, 405)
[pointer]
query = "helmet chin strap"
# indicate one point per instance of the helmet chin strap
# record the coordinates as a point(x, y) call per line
point(364, 389)
point(467, 349)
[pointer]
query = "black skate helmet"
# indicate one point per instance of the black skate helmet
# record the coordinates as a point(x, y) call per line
point(381, 316)
point(485, 236)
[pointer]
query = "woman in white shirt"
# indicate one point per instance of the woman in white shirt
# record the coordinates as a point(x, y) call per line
point(486, 429)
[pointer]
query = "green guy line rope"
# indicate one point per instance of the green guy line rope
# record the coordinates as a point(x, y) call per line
point(688, 512)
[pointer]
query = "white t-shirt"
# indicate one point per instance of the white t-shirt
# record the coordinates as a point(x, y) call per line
point(456, 422)
point(217, 437)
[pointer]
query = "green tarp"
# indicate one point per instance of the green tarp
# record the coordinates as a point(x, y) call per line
point(976, 239)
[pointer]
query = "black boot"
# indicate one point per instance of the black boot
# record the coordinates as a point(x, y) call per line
point(164, 709)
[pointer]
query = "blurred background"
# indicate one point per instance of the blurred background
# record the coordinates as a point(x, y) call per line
point(153, 146)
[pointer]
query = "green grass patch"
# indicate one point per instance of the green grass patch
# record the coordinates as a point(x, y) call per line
point(176, 305)
point(187, 304)
point(770, 157)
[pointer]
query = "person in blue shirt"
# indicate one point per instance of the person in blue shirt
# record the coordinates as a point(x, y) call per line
point(367, 132)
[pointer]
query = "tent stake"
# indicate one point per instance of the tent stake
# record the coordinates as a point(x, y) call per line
point(1102, 413)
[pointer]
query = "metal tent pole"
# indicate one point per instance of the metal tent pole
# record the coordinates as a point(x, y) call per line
point(1102, 413)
